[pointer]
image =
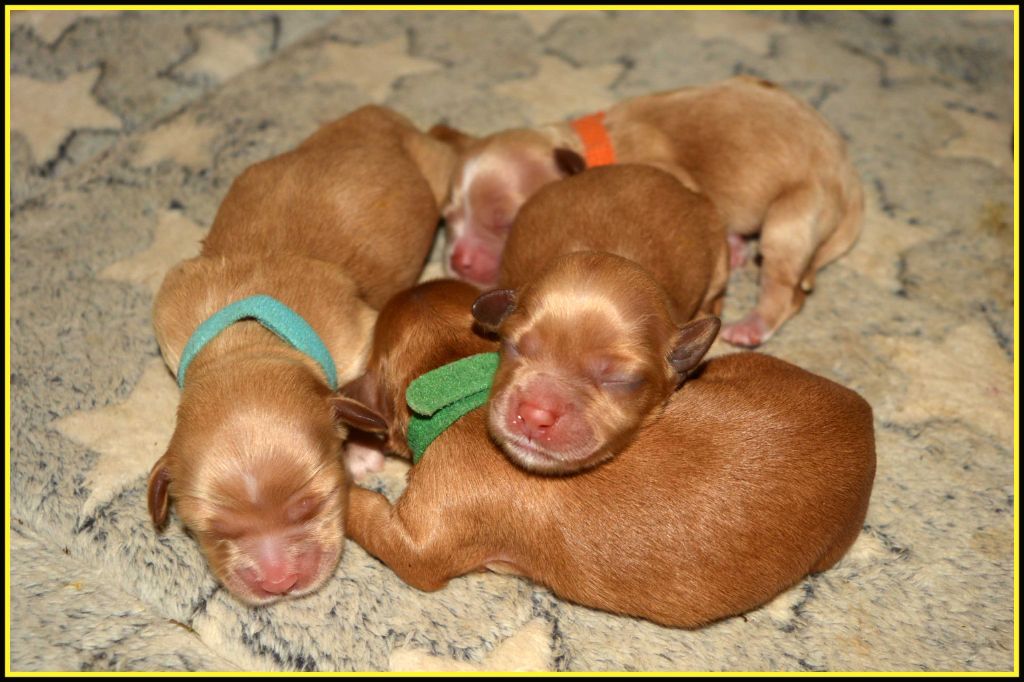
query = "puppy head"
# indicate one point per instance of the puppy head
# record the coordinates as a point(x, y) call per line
point(494, 176)
point(418, 330)
point(589, 350)
point(255, 473)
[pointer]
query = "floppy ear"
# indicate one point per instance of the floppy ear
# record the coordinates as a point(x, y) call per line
point(436, 161)
point(692, 342)
point(353, 413)
point(456, 138)
point(569, 162)
point(357, 404)
point(492, 307)
point(159, 482)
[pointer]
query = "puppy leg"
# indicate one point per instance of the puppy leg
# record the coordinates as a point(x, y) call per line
point(363, 454)
point(789, 239)
point(847, 229)
point(362, 460)
point(414, 540)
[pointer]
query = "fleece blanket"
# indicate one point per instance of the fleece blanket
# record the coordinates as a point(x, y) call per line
point(129, 126)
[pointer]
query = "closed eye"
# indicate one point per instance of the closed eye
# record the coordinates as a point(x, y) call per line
point(304, 509)
point(228, 529)
point(623, 382)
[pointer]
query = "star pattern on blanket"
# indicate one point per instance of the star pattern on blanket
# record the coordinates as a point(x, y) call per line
point(547, 98)
point(881, 244)
point(980, 138)
point(183, 140)
point(752, 32)
point(965, 376)
point(371, 68)
point(541, 21)
point(175, 238)
point(49, 25)
point(129, 436)
point(529, 650)
point(220, 55)
point(47, 112)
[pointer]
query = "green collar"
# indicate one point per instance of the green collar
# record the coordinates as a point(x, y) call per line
point(442, 396)
point(272, 314)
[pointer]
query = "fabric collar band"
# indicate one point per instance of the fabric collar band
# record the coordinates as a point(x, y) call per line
point(272, 314)
point(442, 396)
point(597, 146)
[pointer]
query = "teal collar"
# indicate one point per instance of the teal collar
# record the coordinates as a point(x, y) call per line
point(272, 314)
point(442, 396)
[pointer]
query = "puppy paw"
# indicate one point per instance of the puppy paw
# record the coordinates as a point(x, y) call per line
point(362, 460)
point(749, 332)
point(737, 251)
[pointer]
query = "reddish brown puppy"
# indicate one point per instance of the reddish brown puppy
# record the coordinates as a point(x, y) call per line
point(769, 162)
point(331, 230)
point(756, 473)
point(594, 322)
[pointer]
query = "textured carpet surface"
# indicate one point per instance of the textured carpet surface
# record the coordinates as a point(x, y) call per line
point(128, 128)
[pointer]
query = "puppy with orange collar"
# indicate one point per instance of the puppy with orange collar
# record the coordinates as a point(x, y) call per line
point(263, 326)
point(768, 161)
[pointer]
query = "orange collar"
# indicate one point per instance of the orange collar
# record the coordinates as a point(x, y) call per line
point(597, 146)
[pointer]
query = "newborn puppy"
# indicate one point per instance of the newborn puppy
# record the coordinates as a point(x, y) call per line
point(757, 473)
point(768, 161)
point(590, 353)
point(331, 230)
point(598, 341)
point(633, 211)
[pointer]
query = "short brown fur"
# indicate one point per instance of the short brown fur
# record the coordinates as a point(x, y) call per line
point(330, 229)
point(770, 163)
point(603, 283)
point(756, 474)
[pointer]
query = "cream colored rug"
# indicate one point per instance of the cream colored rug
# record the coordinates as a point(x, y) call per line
point(128, 128)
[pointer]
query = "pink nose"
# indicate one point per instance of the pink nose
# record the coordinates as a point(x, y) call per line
point(535, 420)
point(273, 572)
point(280, 585)
point(463, 260)
point(471, 262)
point(276, 576)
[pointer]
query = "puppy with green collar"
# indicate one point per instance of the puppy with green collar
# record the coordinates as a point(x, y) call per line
point(754, 475)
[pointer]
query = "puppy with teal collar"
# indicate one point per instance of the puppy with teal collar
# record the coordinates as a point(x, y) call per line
point(262, 327)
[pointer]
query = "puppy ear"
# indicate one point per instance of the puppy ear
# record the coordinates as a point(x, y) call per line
point(494, 306)
point(569, 162)
point(436, 161)
point(159, 482)
point(692, 342)
point(353, 413)
point(358, 404)
point(456, 138)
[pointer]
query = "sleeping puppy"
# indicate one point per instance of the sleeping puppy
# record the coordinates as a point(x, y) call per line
point(768, 161)
point(330, 230)
point(603, 271)
point(590, 353)
point(756, 474)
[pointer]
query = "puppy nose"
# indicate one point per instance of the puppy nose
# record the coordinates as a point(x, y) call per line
point(463, 260)
point(279, 584)
point(275, 572)
point(535, 420)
